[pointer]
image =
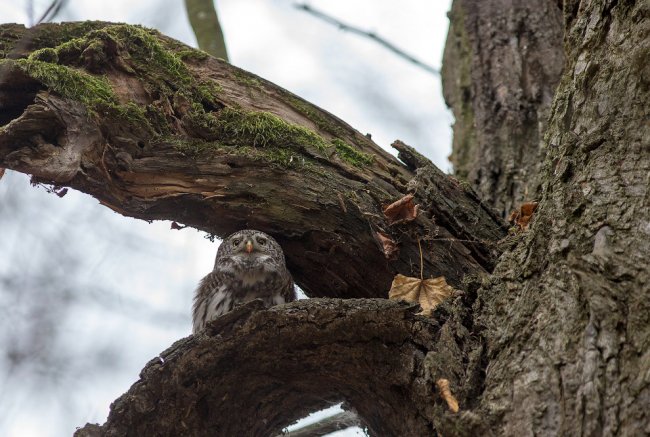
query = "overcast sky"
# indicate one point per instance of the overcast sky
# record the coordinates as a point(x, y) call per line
point(140, 265)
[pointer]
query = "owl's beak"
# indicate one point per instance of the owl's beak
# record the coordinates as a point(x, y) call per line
point(249, 246)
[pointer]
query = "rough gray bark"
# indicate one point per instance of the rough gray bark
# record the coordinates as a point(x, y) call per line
point(554, 342)
point(502, 62)
point(566, 315)
point(311, 354)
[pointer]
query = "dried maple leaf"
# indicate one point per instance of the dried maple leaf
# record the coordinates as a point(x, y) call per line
point(522, 217)
point(429, 293)
point(388, 245)
point(401, 211)
point(445, 393)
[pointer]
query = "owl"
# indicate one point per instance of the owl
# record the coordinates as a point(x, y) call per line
point(250, 265)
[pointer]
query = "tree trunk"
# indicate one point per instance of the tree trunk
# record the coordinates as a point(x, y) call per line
point(554, 342)
point(502, 62)
point(566, 316)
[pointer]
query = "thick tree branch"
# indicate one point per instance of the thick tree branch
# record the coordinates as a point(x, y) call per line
point(156, 130)
point(269, 367)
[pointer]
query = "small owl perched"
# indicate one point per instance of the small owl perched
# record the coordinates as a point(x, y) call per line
point(250, 265)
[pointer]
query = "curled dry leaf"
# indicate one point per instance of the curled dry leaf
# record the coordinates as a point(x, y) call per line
point(522, 217)
point(388, 245)
point(429, 293)
point(2, 172)
point(445, 393)
point(401, 211)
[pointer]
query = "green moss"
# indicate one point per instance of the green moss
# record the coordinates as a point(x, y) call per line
point(313, 114)
point(47, 54)
point(245, 79)
point(192, 148)
point(71, 49)
point(136, 115)
point(142, 53)
point(283, 157)
point(69, 82)
point(257, 135)
point(350, 154)
point(265, 135)
point(264, 129)
point(208, 91)
point(147, 54)
point(160, 65)
point(188, 54)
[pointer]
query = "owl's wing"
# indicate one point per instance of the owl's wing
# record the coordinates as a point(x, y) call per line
point(288, 291)
point(208, 286)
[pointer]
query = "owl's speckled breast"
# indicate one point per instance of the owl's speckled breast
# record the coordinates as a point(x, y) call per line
point(249, 265)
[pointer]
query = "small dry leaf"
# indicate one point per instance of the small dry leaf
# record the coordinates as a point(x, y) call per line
point(401, 211)
point(522, 217)
point(2, 172)
point(388, 245)
point(429, 293)
point(445, 393)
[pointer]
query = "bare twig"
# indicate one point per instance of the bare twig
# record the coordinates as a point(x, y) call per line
point(52, 11)
point(368, 34)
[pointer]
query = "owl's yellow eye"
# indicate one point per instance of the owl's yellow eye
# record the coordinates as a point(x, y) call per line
point(236, 241)
point(261, 241)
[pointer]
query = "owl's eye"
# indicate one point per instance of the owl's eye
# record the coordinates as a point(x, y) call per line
point(261, 241)
point(236, 241)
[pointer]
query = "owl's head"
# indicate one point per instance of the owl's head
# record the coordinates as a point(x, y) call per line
point(251, 246)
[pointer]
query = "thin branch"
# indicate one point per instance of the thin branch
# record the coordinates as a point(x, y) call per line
point(368, 34)
point(52, 11)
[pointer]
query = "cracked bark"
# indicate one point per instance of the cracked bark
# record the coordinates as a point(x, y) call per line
point(553, 342)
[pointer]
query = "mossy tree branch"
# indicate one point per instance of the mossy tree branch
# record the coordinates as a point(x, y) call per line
point(157, 130)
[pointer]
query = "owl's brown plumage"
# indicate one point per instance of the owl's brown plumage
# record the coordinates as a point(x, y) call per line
point(250, 265)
